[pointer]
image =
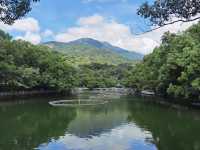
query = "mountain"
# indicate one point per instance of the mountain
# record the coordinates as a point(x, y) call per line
point(87, 50)
point(105, 45)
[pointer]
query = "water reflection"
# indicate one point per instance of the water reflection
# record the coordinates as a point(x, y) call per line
point(125, 137)
point(25, 126)
point(123, 124)
point(171, 129)
point(102, 128)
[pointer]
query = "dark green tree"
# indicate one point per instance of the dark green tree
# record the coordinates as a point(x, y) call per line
point(163, 12)
point(11, 10)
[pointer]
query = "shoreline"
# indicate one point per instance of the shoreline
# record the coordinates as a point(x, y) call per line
point(120, 91)
point(19, 94)
point(75, 91)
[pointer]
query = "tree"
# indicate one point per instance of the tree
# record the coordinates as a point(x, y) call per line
point(163, 12)
point(4, 35)
point(24, 66)
point(173, 69)
point(11, 10)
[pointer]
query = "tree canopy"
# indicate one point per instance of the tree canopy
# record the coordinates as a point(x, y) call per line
point(11, 10)
point(163, 12)
point(24, 66)
point(173, 69)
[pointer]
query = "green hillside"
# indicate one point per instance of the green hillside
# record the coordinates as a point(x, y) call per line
point(27, 67)
point(87, 54)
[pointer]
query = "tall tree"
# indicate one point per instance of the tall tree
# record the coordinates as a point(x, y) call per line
point(11, 10)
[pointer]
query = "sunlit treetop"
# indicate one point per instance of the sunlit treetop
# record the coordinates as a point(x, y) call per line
point(11, 10)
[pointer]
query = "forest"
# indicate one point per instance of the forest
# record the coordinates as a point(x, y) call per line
point(173, 68)
point(25, 66)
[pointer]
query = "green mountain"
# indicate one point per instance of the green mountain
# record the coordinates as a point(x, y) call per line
point(85, 51)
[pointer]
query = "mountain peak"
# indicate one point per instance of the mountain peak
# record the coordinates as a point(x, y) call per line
point(96, 46)
point(88, 41)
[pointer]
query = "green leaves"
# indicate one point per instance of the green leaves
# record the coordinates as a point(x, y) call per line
point(11, 10)
point(24, 66)
point(163, 12)
point(172, 69)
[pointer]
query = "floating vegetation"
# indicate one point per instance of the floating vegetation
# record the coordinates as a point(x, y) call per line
point(78, 102)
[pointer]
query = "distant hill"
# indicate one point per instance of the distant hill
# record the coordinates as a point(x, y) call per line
point(87, 50)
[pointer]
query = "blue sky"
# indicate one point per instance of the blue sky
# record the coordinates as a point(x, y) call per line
point(64, 13)
point(113, 21)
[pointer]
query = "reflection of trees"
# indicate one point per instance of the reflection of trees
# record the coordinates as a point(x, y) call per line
point(171, 129)
point(99, 119)
point(25, 127)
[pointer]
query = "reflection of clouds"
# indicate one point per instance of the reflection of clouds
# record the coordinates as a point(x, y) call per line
point(125, 137)
point(95, 124)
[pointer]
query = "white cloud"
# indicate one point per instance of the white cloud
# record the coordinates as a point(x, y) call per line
point(34, 38)
point(100, 28)
point(23, 25)
point(28, 26)
point(47, 33)
point(173, 28)
point(96, 27)
point(92, 20)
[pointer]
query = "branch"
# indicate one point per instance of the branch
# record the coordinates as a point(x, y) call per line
point(180, 20)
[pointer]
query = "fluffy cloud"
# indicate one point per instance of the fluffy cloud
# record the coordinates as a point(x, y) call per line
point(99, 28)
point(96, 27)
point(102, 29)
point(23, 25)
point(27, 26)
point(173, 28)
point(47, 33)
point(34, 38)
point(92, 20)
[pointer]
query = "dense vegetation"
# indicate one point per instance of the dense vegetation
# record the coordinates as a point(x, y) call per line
point(24, 66)
point(83, 54)
point(173, 69)
point(103, 75)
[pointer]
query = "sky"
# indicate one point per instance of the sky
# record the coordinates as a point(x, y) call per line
point(113, 21)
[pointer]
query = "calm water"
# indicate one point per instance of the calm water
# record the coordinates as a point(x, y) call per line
point(122, 124)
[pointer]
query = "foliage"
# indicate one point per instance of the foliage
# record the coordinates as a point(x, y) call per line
point(11, 10)
point(84, 54)
point(102, 75)
point(173, 69)
point(24, 66)
point(161, 12)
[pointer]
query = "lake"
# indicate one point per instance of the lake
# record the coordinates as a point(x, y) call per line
point(124, 123)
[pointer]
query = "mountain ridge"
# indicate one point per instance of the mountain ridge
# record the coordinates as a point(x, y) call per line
point(91, 50)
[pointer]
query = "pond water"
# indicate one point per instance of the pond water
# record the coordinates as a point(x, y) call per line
point(125, 123)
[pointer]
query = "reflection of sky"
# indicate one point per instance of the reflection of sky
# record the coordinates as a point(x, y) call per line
point(125, 137)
